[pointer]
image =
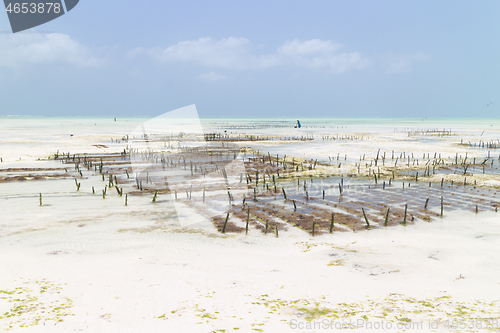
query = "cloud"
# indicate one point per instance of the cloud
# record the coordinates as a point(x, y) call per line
point(320, 54)
point(229, 52)
point(17, 50)
point(239, 53)
point(135, 52)
point(404, 63)
point(212, 77)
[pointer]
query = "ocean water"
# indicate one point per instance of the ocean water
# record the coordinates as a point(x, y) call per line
point(35, 137)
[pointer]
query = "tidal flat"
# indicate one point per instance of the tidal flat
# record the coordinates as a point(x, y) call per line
point(248, 225)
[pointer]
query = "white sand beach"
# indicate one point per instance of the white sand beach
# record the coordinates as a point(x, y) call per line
point(78, 262)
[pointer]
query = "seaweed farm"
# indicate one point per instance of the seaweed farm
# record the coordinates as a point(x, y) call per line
point(336, 221)
point(242, 188)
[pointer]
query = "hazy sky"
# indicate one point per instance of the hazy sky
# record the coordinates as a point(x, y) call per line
point(257, 58)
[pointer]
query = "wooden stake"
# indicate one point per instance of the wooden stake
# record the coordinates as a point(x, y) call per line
point(406, 211)
point(366, 219)
point(248, 220)
point(225, 223)
point(332, 223)
point(442, 206)
point(387, 217)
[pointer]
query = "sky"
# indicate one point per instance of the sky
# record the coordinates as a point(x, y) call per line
point(257, 58)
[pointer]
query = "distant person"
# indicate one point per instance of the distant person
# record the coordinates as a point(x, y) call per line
point(298, 125)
